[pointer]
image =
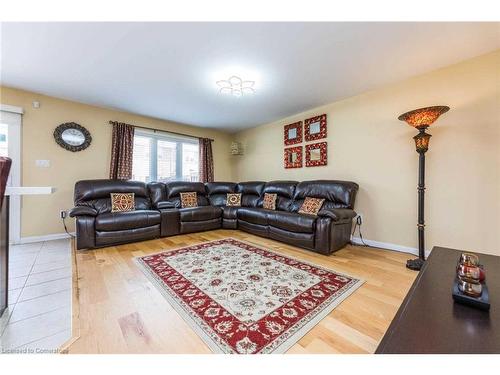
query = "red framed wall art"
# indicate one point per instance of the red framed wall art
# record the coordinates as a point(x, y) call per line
point(316, 154)
point(315, 128)
point(293, 133)
point(292, 157)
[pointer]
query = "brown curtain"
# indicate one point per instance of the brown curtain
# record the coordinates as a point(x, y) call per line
point(206, 160)
point(122, 146)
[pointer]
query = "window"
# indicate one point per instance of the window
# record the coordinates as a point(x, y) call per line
point(163, 157)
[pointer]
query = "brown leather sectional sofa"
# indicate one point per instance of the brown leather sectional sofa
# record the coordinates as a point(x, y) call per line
point(158, 212)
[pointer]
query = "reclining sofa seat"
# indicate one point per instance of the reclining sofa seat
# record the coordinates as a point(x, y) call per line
point(97, 226)
point(217, 196)
point(159, 211)
point(334, 220)
point(256, 219)
point(177, 220)
point(325, 233)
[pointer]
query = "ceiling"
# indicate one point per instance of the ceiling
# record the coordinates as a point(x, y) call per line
point(169, 70)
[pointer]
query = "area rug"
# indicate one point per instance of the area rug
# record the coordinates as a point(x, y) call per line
point(241, 298)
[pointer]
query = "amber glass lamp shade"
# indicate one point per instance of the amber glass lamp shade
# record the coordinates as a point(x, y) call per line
point(422, 142)
point(423, 116)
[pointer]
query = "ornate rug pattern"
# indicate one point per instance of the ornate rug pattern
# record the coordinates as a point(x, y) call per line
point(241, 298)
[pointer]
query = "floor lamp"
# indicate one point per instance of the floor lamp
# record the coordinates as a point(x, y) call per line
point(421, 119)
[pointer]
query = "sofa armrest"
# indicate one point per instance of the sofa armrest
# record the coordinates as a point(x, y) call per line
point(82, 211)
point(338, 214)
point(170, 222)
point(85, 232)
point(165, 205)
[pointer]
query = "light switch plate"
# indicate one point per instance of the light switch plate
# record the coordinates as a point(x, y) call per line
point(42, 163)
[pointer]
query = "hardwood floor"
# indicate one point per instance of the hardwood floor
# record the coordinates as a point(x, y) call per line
point(119, 311)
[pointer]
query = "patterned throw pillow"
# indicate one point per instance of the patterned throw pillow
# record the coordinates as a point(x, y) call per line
point(269, 201)
point(311, 206)
point(233, 199)
point(189, 199)
point(121, 202)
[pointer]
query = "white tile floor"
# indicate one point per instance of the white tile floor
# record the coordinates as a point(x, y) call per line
point(38, 319)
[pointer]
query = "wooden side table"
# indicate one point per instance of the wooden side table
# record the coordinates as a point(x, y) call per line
point(429, 321)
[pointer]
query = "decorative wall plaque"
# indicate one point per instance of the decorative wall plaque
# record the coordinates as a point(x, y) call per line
point(315, 128)
point(293, 157)
point(316, 154)
point(293, 133)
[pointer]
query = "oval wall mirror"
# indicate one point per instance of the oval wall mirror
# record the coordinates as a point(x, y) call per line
point(72, 136)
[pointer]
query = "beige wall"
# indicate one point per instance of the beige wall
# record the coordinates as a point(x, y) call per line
point(367, 144)
point(40, 214)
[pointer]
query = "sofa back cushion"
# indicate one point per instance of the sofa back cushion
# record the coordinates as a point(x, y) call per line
point(97, 194)
point(217, 192)
point(284, 190)
point(157, 193)
point(175, 188)
point(337, 194)
point(251, 192)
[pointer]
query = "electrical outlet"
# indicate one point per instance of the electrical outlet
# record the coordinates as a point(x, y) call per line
point(63, 214)
point(360, 215)
point(42, 163)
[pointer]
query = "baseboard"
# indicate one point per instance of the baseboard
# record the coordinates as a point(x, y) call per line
point(356, 240)
point(48, 237)
point(388, 246)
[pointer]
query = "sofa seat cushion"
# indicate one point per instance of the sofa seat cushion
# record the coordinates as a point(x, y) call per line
point(259, 230)
point(229, 212)
point(293, 238)
point(201, 213)
point(253, 215)
point(127, 220)
point(200, 226)
point(291, 221)
point(107, 238)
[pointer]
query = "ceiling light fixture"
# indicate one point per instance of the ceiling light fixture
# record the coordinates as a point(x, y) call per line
point(235, 86)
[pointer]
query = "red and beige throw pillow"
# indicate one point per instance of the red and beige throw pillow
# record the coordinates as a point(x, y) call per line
point(311, 206)
point(233, 199)
point(269, 201)
point(189, 199)
point(122, 202)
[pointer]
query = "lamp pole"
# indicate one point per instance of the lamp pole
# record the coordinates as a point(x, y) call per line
point(422, 145)
point(421, 119)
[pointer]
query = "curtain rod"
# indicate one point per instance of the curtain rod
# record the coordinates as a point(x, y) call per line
point(160, 130)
